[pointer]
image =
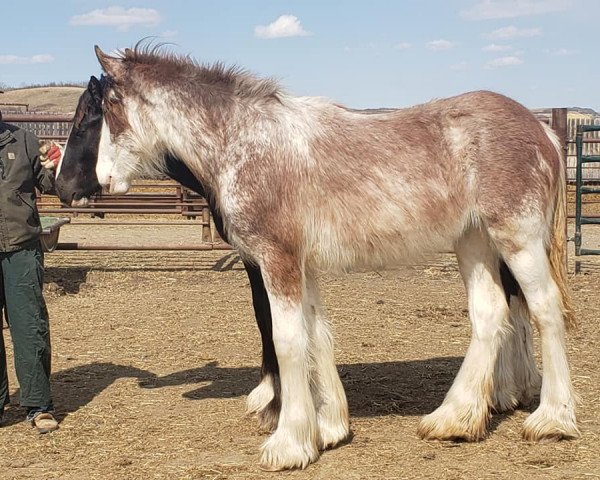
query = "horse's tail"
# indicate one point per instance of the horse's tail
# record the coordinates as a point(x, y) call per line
point(557, 248)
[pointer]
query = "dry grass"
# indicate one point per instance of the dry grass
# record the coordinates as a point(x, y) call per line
point(45, 99)
point(154, 354)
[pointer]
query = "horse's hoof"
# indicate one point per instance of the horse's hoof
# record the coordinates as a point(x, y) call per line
point(332, 432)
point(283, 452)
point(454, 423)
point(544, 426)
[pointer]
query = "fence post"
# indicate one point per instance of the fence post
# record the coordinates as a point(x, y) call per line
point(559, 125)
point(206, 235)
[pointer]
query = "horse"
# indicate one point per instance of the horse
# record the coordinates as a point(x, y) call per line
point(79, 161)
point(306, 186)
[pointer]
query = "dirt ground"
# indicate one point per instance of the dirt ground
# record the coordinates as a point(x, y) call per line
point(154, 354)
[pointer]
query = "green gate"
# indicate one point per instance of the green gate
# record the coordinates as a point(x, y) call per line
point(582, 189)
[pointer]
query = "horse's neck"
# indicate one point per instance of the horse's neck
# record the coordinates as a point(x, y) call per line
point(214, 143)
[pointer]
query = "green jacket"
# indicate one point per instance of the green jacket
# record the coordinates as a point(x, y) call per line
point(20, 173)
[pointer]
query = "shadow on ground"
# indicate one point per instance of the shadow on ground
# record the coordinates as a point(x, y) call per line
point(67, 279)
point(76, 387)
point(413, 387)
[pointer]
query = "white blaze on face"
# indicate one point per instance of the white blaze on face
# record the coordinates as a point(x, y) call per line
point(106, 156)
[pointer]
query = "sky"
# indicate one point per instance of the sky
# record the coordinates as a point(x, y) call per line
point(360, 53)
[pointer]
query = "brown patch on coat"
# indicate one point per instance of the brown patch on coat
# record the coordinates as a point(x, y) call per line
point(512, 141)
point(114, 110)
point(273, 229)
point(283, 273)
point(379, 148)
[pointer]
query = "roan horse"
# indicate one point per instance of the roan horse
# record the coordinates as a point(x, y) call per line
point(292, 179)
point(80, 160)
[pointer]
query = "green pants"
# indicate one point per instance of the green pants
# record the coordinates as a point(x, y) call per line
point(21, 281)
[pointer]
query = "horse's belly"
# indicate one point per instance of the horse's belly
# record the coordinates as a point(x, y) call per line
point(377, 245)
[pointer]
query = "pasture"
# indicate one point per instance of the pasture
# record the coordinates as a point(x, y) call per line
point(155, 352)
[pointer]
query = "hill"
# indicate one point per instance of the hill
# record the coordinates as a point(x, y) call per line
point(548, 111)
point(43, 99)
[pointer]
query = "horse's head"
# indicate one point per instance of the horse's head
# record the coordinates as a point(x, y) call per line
point(100, 151)
point(129, 146)
point(76, 178)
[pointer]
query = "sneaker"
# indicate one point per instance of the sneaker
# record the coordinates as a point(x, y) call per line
point(44, 422)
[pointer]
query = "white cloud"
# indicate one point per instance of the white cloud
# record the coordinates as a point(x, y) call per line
point(513, 32)
point(17, 60)
point(284, 26)
point(493, 9)
point(402, 46)
point(438, 45)
point(500, 62)
point(119, 17)
point(496, 48)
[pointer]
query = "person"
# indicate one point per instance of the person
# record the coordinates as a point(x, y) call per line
point(23, 167)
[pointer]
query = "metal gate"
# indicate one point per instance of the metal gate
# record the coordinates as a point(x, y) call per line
point(584, 189)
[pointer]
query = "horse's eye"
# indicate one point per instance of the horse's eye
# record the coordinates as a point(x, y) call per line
point(113, 97)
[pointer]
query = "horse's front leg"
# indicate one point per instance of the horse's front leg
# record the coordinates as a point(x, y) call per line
point(265, 399)
point(328, 391)
point(294, 444)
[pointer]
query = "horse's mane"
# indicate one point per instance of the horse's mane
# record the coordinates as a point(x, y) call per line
point(160, 65)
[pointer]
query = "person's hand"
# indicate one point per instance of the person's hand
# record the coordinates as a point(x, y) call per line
point(50, 155)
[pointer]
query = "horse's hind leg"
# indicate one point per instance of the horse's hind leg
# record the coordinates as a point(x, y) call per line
point(527, 377)
point(328, 391)
point(465, 410)
point(555, 416)
point(265, 399)
point(516, 357)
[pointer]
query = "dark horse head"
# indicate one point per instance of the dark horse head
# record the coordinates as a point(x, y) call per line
point(76, 178)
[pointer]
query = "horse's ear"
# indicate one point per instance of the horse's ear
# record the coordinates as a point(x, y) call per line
point(95, 88)
point(111, 65)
